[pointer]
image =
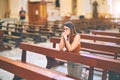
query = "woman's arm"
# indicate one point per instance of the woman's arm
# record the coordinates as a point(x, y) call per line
point(62, 42)
point(74, 44)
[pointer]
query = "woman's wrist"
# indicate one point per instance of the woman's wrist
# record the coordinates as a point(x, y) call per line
point(65, 37)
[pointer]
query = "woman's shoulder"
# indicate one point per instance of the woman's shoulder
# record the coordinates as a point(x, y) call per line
point(77, 36)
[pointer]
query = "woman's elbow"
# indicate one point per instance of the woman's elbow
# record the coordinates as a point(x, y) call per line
point(60, 47)
point(70, 49)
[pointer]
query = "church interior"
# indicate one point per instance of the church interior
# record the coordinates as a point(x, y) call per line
point(31, 30)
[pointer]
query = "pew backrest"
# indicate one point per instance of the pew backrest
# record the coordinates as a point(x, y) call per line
point(100, 38)
point(30, 72)
point(106, 33)
point(112, 50)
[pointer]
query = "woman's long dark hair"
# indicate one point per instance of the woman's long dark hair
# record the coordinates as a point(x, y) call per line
point(72, 30)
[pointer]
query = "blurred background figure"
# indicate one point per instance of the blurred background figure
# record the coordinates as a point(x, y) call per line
point(22, 14)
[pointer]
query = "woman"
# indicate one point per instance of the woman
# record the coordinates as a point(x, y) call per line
point(71, 41)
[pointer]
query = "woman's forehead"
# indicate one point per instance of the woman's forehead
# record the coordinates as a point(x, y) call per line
point(66, 27)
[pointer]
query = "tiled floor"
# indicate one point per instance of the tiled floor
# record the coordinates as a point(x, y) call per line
point(37, 59)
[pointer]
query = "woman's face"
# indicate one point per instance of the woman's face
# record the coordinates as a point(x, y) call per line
point(66, 30)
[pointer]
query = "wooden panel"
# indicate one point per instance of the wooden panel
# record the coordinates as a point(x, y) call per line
point(37, 13)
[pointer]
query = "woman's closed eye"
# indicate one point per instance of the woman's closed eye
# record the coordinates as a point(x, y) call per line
point(66, 28)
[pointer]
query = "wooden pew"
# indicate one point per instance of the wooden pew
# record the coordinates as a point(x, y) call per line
point(1, 22)
point(100, 38)
point(27, 31)
point(41, 29)
point(35, 36)
point(2, 45)
point(24, 32)
point(93, 61)
point(108, 50)
point(46, 32)
point(11, 34)
point(106, 33)
point(30, 72)
point(103, 39)
point(35, 32)
point(57, 28)
point(107, 39)
point(16, 39)
point(14, 26)
point(111, 50)
point(94, 48)
point(86, 25)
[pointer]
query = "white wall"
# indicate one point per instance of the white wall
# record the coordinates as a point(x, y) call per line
point(80, 7)
point(115, 8)
point(83, 7)
point(86, 7)
point(3, 7)
point(14, 8)
point(65, 7)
